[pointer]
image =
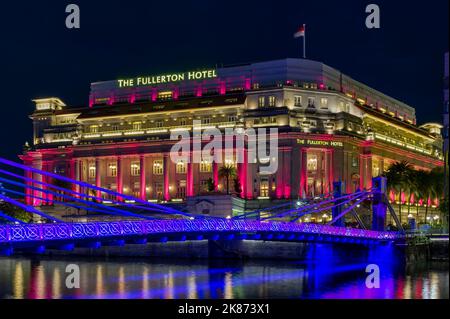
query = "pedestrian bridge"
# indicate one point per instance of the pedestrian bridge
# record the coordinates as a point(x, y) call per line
point(162, 223)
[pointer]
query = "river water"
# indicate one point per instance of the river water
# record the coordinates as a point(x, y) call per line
point(45, 278)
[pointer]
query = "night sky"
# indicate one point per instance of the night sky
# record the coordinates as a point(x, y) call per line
point(39, 57)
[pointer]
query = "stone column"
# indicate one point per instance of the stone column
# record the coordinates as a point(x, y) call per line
point(119, 178)
point(28, 191)
point(216, 175)
point(190, 177)
point(80, 175)
point(37, 177)
point(286, 169)
point(379, 206)
point(98, 177)
point(279, 187)
point(166, 177)
point(242, 168)
point(338, 189)
point(304, 173)
point(142, 181)
point(329, 174)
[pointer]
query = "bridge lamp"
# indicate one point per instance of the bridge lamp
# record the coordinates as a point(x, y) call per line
point(191, 218)
point(410, 216)
point(228, 217)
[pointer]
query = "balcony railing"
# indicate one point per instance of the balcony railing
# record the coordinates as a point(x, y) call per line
point(156, 130)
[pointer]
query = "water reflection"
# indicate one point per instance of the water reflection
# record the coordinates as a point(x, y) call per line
point(328, 278)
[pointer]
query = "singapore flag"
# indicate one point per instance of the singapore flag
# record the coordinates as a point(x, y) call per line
point(300, 33)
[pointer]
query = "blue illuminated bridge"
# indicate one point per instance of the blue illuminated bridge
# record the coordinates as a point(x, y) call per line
point(134, 221)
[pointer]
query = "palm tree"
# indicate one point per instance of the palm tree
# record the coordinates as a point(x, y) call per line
point(424, 186)
point(399, 177)
point(227, 172)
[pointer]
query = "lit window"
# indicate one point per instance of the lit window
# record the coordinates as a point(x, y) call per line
point(114, 127)
point(167, 95)
point(159, 124)
point(137, 126)
point(230, 162)
point(135, 169)
point(261, 101)
point(158, 167)
point(181, 167)
point(183, 122)
point(181, 189)
point(376, 169)
point(324, 103)
point(204, 185)
point(92, 171)
point(159, 190)
point(272, 101)
point(112, 169)
point(232, 118)
point(355, 161)
point(264, 187)
point(205, 167)
point(206, 121)
point(311, 101)
point(297, 100)
point(93, 129)
point(312, 162)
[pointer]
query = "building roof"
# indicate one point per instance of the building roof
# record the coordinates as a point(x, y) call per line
point(170, 105)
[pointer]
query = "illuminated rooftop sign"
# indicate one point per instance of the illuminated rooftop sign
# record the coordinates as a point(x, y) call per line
point(168, 78)
point(320, 143)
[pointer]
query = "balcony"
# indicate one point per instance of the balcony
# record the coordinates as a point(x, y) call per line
point(155, 130)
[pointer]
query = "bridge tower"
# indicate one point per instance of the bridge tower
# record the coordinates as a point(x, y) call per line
point(338, 188)
point(379, 205)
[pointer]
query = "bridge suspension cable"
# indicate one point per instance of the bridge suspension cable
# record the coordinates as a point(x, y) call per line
point(147, 205)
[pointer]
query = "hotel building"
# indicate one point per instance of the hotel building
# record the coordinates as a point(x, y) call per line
point(331, 128)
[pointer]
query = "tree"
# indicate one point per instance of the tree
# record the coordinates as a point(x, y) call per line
point(15, 212)
point(227, 172)
point(399, 177)
point(423, 184)
point(237, 185)
point(210, 185)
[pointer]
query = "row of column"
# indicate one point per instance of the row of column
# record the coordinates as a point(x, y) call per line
point(143, 180)
point(284, 177)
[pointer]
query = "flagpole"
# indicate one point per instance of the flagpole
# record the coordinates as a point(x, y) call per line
point(304, 41)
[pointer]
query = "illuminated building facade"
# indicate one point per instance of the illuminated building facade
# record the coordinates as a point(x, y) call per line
point(331, 128)
point(446, 123)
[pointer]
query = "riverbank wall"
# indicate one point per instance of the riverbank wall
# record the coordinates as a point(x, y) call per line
point(235, 249)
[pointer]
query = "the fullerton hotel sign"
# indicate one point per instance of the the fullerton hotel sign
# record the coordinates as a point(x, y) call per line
point(167, 78)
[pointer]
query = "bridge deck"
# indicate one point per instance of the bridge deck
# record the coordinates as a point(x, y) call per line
point(41, 234)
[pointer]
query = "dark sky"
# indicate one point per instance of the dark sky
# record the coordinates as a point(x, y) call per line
point(39, 57)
